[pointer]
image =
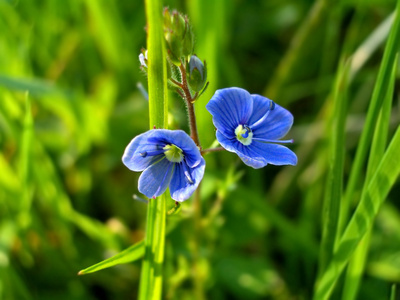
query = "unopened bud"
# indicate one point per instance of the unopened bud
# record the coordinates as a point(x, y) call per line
point(178, 35)
point(188, 40)
point(197, 74)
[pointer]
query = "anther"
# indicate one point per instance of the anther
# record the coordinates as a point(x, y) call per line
point(151, 153)
point(248, 130)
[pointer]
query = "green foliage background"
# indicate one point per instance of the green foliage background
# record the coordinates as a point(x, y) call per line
point(69, 105)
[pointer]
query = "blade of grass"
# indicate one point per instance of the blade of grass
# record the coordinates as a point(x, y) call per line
point(316, 14)
point(287, 177)
point(393, 292)
point(25, 165)
point(33, 86)
point(380, 88)
point(151, 275)
point(371, 200)
point(130, 254)
point(334, 187)
point(357, 262)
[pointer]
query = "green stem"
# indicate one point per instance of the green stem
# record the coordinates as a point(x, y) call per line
point(151, 274)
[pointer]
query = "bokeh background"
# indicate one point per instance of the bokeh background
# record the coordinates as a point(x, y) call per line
point(69, 105)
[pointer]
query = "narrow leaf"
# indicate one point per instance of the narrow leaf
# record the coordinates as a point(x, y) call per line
point(379, 141)
point(334, 188)
point(380, 89)
point(363, 218)
point(128, 255)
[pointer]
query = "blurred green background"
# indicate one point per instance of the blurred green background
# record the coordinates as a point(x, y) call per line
point(69, 105)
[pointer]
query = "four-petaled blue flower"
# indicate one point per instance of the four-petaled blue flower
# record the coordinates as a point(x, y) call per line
point(167, 158)
point(251, 125)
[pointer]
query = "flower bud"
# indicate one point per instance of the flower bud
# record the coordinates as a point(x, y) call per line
point(197, 74)
point(188, 40)
point(178, 35)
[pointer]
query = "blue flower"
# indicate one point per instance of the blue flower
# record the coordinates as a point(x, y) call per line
point(251, 126)
point(167, 158)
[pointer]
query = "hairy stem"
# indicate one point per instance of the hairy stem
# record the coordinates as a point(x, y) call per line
point(190, 107)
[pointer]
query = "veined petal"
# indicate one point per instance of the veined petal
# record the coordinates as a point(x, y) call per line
point(229, 144)
point(180, 139)
point(180, 188)
point(261, 105)
point(276, 125)
point(274, 154)
point(259, 154)
point(155, 179)
point(245, 153)
point(229, 108)
point(251, 157)
point(132, 157)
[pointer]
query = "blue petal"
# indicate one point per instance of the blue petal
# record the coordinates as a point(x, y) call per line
point(276, 125)
point(180, 188)
point(229, 108)
point(230, 144)
point(274, 154)
point(259, 154)
point(156, 178)
point(261, 106)
point(246, 154)
point(132, 158)
point(182, 140)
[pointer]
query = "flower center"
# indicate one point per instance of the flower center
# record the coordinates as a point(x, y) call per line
point(244, 134)
point(173, 153)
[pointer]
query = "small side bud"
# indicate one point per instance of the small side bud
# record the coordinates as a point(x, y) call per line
point(197, 74)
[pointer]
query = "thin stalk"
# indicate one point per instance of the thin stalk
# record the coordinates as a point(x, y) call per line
point(151, 274)
point(194, 134)
point(209, 150)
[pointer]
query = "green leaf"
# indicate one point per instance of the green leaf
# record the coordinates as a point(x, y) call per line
point(379, 141)
point(128, 255)
point(334, 187)
point(379, 93)
point(371, 200)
